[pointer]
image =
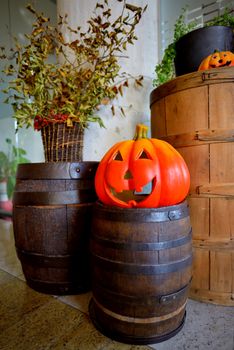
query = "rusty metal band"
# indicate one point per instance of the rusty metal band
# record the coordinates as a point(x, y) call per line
point(60, 261)
point(136, 269)
point(167, 298)
point(54, 198)
point(139, 246)
point(60, 170)
point(100, 292)
point(171, 213)
point(139, 320)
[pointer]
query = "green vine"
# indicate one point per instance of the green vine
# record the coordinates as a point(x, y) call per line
point(226, 19)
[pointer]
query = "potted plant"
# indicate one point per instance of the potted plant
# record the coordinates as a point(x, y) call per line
point(8, 166)
point(190, 45)
point(60, 97)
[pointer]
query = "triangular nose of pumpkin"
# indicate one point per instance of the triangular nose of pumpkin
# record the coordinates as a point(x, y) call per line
point(129, 180)
point(128, 175)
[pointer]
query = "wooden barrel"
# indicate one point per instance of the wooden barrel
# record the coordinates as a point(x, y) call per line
point(195, 113)
point(140, 270)
point(52, 207)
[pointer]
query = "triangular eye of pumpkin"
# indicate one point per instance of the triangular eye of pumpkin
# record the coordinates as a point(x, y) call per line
point(143, 155)
point(118, 156)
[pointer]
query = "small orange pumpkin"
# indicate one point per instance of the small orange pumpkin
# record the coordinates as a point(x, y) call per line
point(131, 166)
point(217, 59)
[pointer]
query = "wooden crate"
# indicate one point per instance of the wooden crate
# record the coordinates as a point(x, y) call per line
point(195, 113)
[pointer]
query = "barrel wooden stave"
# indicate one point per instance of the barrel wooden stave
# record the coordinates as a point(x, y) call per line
point(140, 305)
point(195, 114)
point(133, 285)
point(134, 267)
point(128, 330)
point(51, 235)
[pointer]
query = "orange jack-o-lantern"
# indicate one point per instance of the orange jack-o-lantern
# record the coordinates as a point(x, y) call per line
point(217, 59)
point(142, 173)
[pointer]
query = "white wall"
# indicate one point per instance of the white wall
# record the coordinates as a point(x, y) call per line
point(142, 60)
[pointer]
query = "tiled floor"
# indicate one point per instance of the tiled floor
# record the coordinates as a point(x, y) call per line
point(31, 321)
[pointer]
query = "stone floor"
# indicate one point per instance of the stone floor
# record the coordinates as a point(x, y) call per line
point(33, 321)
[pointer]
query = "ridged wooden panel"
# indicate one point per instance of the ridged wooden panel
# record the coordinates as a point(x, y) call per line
point(198, 113)
point(178, 109)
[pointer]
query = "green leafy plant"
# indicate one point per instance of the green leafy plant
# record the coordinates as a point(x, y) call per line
point(226, 19)
point(165, 70)
point(85, 74)
point(8, 164)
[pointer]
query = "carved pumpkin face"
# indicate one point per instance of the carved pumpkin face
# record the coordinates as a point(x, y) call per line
point(142, 173)
point(217, 59)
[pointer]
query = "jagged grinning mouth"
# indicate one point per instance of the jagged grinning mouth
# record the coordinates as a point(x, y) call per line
point(222, 65)
point(128, 195)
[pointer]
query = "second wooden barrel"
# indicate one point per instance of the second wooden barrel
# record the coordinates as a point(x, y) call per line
point(140, 271)
point(52, 208)
point(195, 113)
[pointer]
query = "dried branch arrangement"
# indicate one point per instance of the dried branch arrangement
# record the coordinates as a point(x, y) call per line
point(53, 80)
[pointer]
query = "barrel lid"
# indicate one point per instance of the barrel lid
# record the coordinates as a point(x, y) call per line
point(60, 170)
point(192, 80)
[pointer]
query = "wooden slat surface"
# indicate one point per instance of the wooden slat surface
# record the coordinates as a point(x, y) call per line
point(187, 111)
point(221, 106)
point(221, 189)
point(195, 114)
point(200, 137)
point(212, 296)
point(217, 245)
point(188, 81)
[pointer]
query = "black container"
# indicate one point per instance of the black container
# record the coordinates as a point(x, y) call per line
point(193, 47)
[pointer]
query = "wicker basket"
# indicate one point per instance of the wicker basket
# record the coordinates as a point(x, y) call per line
point(62, 143)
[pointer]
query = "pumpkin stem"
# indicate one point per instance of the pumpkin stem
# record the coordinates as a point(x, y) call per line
point(141, 132)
